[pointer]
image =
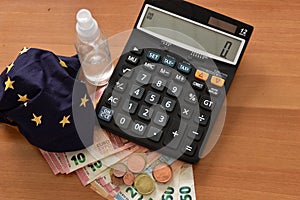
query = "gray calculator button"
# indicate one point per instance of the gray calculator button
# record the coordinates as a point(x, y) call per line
point(138, 128)
point(120, 86)
point(180, 78)
point(159, 83)
point(191, 97)
point(145, 112)
point(174, 89)
point(152, 98)
point(136, 92)
point(143, 77)
point(168, 104)
point(161, 118)
point(186, 112)
point(149, 66)
point(130, 106)
point(165, 71)
point(154, 134)
point(122, 121)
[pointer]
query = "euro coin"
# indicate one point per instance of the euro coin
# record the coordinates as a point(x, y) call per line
point(144, 184)
point(162, 172)
point(119, 170)
point(115, 180)
point(136, 163)
point(128, 178)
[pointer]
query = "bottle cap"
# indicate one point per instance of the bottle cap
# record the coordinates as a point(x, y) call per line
point(86, 26)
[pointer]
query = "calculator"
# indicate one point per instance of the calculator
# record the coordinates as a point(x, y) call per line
point(171, 80)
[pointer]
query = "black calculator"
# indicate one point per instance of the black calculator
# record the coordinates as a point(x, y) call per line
point(170, 83)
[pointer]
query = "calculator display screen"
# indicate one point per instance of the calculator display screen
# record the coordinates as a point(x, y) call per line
point(191, 35)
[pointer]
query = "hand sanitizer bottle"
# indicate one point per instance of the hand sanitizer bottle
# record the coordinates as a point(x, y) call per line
point(92, 49)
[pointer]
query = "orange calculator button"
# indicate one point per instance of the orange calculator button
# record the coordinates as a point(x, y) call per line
point(201, 75)
point(217, 81)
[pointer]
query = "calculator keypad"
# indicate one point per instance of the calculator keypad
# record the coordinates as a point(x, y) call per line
point(148, 102)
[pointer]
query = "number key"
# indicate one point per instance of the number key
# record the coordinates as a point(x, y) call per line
point(161, 119)
point(168, 104)
point(152, 98)
point(138, 128)
point(159, 84)
point(130, 106)
point(145, 113)
point(136, 92)
point(174, 89)
point(122, 121)
point(143, 77)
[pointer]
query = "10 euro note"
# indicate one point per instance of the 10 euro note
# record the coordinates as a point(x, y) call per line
point(92, 171)
point(106, 144)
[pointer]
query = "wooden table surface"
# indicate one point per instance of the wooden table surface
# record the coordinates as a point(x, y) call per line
point(258, 154)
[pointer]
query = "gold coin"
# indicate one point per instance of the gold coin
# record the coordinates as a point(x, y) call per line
point(144, 184)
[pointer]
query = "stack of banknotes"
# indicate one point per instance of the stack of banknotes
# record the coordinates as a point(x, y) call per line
point(118, 169)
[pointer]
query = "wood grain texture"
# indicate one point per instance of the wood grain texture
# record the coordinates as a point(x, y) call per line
point(258, 154)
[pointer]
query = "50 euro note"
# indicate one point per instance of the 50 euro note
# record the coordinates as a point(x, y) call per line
point(181, 187)
point(105, 145)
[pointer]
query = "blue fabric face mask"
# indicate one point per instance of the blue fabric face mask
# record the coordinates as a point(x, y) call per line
point(36, 95)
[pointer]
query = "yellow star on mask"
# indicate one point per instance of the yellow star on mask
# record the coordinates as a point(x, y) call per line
point(23, 98)
point(9, 67)
point(9, 84)
point(84, 100)
point(24, 50)
point(37, 119)
point(63, 64)
point(65, 121)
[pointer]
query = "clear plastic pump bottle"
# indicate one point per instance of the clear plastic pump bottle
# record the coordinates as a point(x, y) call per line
point(92, 49)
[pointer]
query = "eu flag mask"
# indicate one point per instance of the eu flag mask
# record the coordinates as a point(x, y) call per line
point(36, 94)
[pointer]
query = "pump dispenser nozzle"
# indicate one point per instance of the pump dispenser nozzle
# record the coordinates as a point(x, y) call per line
point(86, 26)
